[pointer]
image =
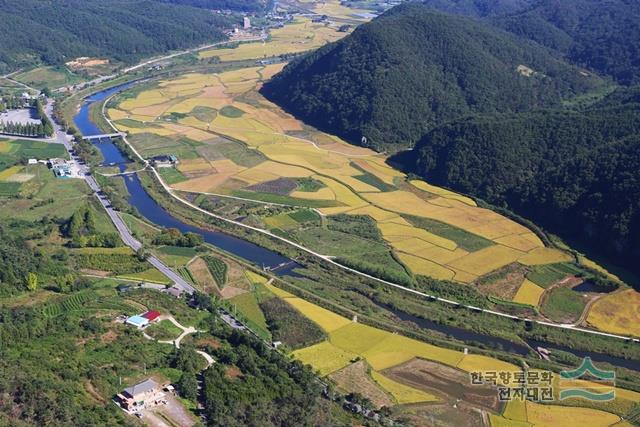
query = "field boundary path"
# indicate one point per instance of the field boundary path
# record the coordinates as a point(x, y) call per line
point(328, 259)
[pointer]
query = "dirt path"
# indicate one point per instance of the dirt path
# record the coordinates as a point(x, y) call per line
point(185, 331)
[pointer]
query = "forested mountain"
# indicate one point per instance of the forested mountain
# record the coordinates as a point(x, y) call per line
point(412, 69)
point(56, 31)
point(601, 35)
point(479, 8)
point(239, 5)
point(574, 172)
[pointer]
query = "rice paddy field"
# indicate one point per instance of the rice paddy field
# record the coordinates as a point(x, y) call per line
point(519, 413)
point(618, 312)
point(353, 350)
point(230, 141)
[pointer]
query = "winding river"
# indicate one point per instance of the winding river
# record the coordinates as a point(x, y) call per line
point(260, 256)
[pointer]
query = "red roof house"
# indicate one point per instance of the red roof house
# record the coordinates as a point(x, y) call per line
point(151, 315)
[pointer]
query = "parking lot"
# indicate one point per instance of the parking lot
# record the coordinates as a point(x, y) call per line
point(169, 414)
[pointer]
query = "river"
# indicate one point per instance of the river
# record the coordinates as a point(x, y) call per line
point(152, 211)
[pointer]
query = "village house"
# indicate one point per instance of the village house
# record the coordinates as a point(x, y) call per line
point(143, 320)
point(164, 161)
point(139, 396)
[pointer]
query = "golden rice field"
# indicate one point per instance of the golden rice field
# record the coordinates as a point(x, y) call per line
point(348, 340)
point(536, 414)
point(529, 293)
point(9, 172)
point(618, 313)
point(356, 181)
point(400, 392)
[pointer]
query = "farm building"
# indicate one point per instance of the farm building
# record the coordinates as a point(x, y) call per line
point(136, 397)
point(164, 161)
point(151, 316)
point(60, 167)
point(142, 320)
point(137, 321)
point(175, 291)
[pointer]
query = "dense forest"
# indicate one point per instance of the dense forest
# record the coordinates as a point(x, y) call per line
point(601, 35)
point(575, 172)
point(479, 8)
point(412, 69)
point(236, 5)
point(34, 31)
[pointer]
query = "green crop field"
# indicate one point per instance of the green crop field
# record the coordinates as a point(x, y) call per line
point(171, 175)
point(186, 275)
point(10, 189)
point(176, 255)
point(247, 305)
point(563, 305)
point(547, 275)
point(466, 240)
point(284, 200)
point(51, 77)
point(204, 114)
point(372, 180)
point(309, 185)
point(163, 330)
point(217, 268)
point(304, 215)
point(71, 303)
point(231, 112)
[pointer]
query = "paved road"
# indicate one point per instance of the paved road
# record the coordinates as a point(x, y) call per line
point(132, 242)
point(125, 234)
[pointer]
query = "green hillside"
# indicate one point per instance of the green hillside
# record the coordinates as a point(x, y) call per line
point(412, 69)
point(601, 35)
point(34, 32)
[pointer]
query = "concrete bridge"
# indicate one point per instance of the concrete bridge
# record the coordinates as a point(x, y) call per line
point(104, 135)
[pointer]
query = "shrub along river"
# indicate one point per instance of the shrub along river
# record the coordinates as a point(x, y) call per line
point(152, 211)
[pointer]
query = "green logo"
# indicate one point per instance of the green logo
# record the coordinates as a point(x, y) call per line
point(597, 375)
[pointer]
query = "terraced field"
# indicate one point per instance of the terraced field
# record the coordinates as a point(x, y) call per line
point(230, 141)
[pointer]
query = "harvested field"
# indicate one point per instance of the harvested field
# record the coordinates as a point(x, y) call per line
point(446, 382)
point(430, 414)
point(503, 283)
point(201, 274)
point(355, 379)
point(281, 186)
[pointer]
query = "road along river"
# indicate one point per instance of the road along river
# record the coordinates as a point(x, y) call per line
point(260, 256)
